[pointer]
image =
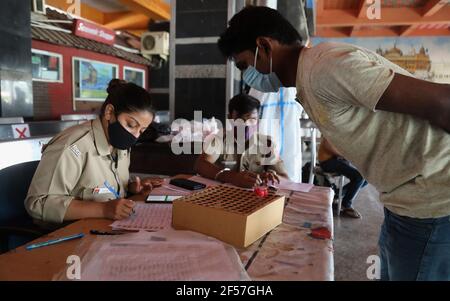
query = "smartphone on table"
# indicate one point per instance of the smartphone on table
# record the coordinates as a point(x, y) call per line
point(187, 184)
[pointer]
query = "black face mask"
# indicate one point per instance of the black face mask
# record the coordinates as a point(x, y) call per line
point(119, 137)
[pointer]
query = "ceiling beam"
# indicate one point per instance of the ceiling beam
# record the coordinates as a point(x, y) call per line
point(155, 9)
point(136, 32)
point(407, 30)
point(335, 32)
point(353, 30)
point(433, 7)
point(430, 32)
point(376, 32)
point(390, 17)
point(320, 7)
point(360, 13)
point(362, 9)
point(86, 11)
point(328, 32)
point(130, 20)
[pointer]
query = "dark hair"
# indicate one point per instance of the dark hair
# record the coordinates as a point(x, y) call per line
point(243, 104)
point(252, 22)
point(127, 98)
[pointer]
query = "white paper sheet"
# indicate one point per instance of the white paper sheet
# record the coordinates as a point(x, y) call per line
point(144, 257)
point(147, 217)
point(288, 185)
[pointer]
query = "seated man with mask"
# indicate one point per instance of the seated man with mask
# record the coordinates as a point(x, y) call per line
point(241, 156)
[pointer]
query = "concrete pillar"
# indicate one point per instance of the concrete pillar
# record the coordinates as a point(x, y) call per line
point(198, 71)
point(15, 59)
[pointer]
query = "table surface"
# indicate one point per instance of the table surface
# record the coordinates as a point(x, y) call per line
point(288, 252)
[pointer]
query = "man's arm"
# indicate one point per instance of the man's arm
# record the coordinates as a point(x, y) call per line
point(205, 166)
point(420, 98)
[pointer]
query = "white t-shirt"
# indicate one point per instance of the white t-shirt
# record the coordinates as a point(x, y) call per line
point(406, 158)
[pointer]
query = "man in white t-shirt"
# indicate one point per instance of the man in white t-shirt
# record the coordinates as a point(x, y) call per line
point(392, 127)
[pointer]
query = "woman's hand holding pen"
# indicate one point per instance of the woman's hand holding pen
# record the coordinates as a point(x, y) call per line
point(118, 209)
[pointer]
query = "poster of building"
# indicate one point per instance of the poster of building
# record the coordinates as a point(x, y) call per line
point(133, 75)
point(94, 79)
point(426, 58)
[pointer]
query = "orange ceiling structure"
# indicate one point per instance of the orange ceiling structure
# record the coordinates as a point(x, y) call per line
point(349, 18)
point(126, 15)
point(334, 18)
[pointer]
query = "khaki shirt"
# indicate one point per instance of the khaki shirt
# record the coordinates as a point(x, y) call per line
point(75, 165)
point(257, 157)
point(406, 158)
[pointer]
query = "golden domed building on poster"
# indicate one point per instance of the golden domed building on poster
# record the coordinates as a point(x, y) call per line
point(414, 62)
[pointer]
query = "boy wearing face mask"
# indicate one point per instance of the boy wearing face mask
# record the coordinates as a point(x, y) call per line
point(241, 156)
point(83, 172)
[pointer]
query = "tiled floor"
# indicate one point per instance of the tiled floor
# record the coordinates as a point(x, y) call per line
point(356, 239)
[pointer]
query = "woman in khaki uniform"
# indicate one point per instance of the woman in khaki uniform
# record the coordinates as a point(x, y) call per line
point(83, 172)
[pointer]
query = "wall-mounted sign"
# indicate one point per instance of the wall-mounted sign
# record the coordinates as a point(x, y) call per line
point(94, 32)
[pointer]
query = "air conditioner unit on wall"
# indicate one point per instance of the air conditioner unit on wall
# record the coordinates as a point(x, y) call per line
point(155, 43)
point(38, 6)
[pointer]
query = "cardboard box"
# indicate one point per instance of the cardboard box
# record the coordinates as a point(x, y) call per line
point(234, 215)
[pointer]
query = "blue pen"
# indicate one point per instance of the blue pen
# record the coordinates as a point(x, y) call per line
point(111, 189)
point(54, 241)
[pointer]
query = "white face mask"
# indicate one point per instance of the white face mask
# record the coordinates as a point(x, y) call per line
point(260, 81)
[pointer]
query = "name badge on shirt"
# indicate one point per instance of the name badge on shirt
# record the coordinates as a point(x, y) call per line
point(101, 190)
point(75, 150)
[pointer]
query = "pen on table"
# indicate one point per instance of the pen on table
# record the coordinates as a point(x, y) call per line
point(116, 194)
point(98, 232)
point(53, 241)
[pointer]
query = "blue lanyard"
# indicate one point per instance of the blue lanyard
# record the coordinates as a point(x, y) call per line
point(111, 189)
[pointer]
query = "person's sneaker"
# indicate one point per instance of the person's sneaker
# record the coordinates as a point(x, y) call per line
point(351, 212)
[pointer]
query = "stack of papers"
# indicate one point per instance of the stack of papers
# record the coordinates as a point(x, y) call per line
point(154, 256)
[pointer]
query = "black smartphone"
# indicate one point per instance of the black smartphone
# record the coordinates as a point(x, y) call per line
point(187, 184)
